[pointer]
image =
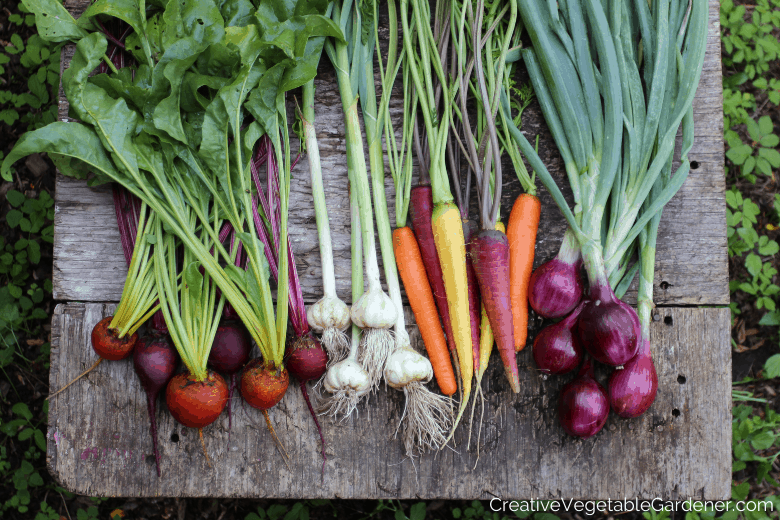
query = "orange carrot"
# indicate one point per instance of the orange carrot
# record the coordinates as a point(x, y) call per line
point(521, 232)
point(410, 265)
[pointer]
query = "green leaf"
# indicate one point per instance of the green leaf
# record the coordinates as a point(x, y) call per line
point(417, 511)
point(9, 116)
point(763, 441)
point(740, 492)
point(773, 156)
point(25, 434)
point(76, 150)
point(770, 141)
point(193, 281)
point(753, 264)
point(22, 410)
point(739, 154)
point(770, 319)
point(772, 367)
point(769, 249)
point(14, 291)
point(731, 199)
point(54, 22)
point(15, 198)
point(754, 129)
point(765, 125)
point(34, 252)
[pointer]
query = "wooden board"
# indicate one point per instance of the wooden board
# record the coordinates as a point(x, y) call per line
point(99, 443)
point(691, 265)
point(98, 430)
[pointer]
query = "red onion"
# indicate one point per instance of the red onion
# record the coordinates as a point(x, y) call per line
point(608, 327)
point(632, 390)
point(557, 348)
point(583, 406)
point(555, 288)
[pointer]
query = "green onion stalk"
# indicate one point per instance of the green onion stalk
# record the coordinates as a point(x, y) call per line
point(374, 312)
point(609, 128)
point(329, 316)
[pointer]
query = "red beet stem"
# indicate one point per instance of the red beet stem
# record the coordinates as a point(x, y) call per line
point(469, 230)
point(421, 213)
point(305, 393)
point(490, 254)
point(151, 408)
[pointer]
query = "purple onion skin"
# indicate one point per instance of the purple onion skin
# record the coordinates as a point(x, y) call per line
point(155, 364)
point(633, 389)
point(306, 358)
point(231, 348)
point(555, 288)
point(557, 348)
point(609, 328)
point(583, 406)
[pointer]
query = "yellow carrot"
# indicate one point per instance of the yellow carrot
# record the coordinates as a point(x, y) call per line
point(448, 236)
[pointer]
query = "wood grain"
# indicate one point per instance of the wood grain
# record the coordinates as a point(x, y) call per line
point(99, 444)
point(691, 263)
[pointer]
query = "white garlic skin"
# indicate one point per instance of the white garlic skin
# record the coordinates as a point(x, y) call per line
point(374, 310)
point(405, 366)
point(345, 375)
point(327, 313)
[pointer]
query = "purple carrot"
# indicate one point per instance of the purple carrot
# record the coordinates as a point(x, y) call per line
point(421, 213)
point(469, 230)
point(489, 251)
point(155, 363)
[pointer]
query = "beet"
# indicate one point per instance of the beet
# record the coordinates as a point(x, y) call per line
point(229, 353)
point(108, 345)
point(196, 404)
point(155, 363)
point(306, 359)
point(263, 386)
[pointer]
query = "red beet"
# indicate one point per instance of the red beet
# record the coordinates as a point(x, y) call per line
point(155, 363)
point(196, 404)
point(231, 348)
point(306, 359)
point(263, 386)
point(489, 251)
point(108, 344)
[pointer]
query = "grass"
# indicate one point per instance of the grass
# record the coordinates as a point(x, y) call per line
point(28, 78)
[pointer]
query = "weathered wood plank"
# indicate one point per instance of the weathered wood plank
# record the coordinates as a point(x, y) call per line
point(99, 442)
point(692, 247)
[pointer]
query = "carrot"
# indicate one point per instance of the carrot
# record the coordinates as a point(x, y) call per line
point(523, 224)
point(490, 253)
point(421, 212)
point(469, 230)
point(486, 338)
point(410, 265)
point(448, 235)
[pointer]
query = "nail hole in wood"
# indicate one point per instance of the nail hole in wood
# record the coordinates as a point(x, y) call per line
point(694, 165)
point(174, 437)
point(665, 285)
point(149, 460)
point(676, 412)
point(681, 379)
point(669, 321)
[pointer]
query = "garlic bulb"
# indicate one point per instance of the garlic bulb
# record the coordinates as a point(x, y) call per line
point(374, 310)
point(405, 366)
point(328, 312)
point(347, 375)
